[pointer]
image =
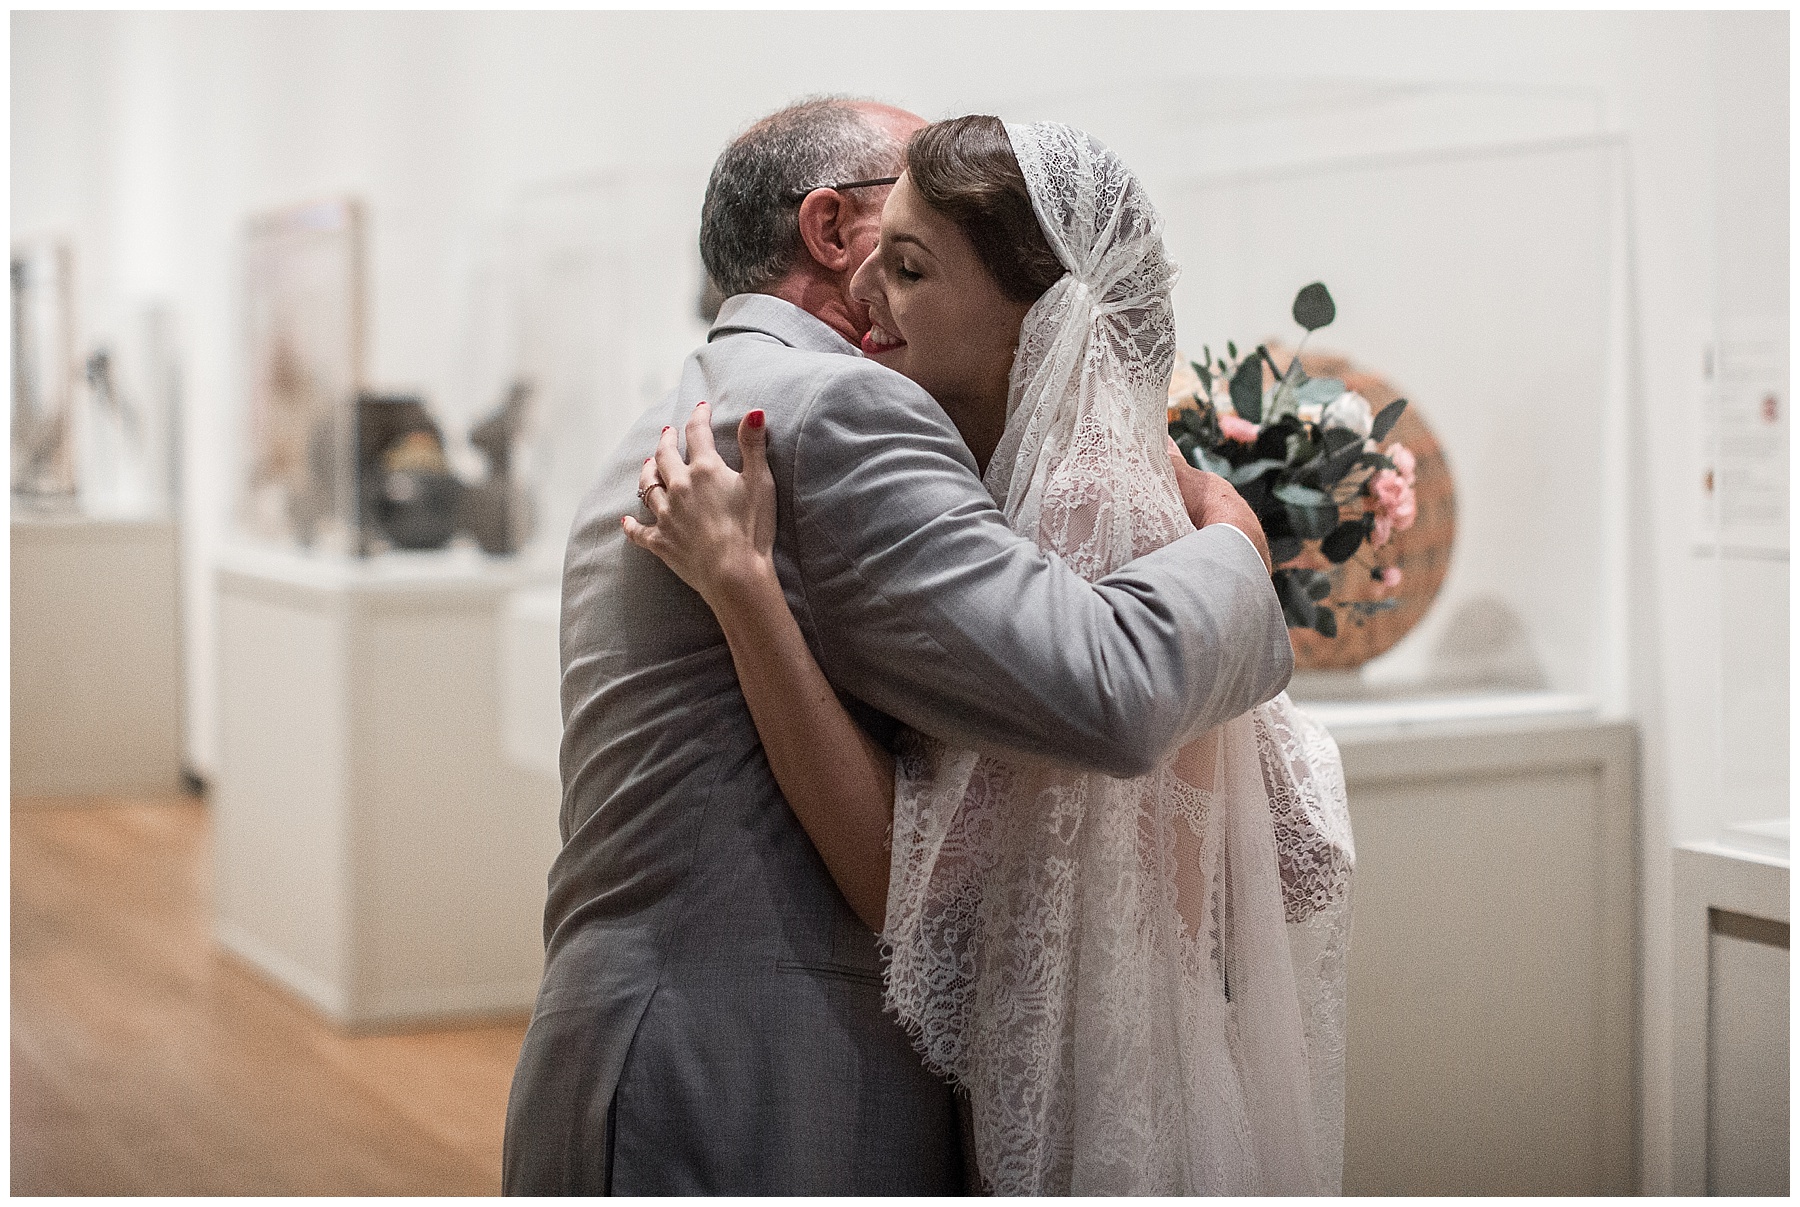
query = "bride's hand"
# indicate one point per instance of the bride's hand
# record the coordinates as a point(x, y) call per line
point(714, 527)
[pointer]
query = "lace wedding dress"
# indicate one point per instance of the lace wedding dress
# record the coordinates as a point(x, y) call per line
point(1139, 982)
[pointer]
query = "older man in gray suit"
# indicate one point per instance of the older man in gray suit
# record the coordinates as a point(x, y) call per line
point(710, 1018)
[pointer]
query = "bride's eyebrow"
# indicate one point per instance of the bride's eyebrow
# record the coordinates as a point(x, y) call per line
point(912, 239)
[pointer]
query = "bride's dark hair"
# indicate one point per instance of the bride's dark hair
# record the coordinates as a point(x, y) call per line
point(965, 169)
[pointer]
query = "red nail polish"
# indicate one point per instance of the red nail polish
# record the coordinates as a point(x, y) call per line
point(756, 419)
point(665, 427)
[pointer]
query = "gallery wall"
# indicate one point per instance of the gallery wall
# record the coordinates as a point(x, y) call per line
point(148, 138)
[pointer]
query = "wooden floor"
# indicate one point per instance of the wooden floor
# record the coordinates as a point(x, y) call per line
point(145, 1061)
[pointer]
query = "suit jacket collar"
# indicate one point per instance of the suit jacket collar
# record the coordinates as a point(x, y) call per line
point(769, 315)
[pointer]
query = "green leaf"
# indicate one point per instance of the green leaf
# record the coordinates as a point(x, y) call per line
point(1285, 549)
point(1243, 475)
point(1317, 584)
point(1390, 415)
point(1375, 461)
point(1325, 621)
point(1246, 389)
point(1343, 542)
point(1211, 462)
point(1231, 349)
point(1313, 522)
point(1313, 307)
point(1299, 610)
point(1319, 391)
point(1333, 467)
point(1301, 496)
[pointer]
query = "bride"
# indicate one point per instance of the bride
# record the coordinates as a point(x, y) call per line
point(1139, 984)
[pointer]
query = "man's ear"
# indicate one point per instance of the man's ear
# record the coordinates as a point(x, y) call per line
point(825, 221)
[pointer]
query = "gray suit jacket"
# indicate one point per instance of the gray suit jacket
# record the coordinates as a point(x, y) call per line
point(710, 1018)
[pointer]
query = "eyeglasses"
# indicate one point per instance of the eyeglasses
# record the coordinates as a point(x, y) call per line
point(798, 195)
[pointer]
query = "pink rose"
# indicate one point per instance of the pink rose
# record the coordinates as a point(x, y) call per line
point(1390, 577)
point(1384, 529)
point(1394, 499)
point(1404, 462)
point(1239, 429)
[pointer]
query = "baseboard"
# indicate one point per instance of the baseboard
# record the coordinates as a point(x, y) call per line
point(329, 999)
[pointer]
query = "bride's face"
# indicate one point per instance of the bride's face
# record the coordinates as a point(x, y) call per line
point(939, 317)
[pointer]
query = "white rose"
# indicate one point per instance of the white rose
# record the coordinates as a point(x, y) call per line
point(1349, 410)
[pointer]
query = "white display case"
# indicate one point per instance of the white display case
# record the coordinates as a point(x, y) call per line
point(1472, 239)
point(587, 290)
point(375, 848)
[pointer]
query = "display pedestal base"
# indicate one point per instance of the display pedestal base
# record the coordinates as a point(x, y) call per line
point(96, 668)
point(1492, 950)
point(1730, 996)
point(375, 850)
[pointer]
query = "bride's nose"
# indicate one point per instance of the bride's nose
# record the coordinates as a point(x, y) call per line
point(864, 286)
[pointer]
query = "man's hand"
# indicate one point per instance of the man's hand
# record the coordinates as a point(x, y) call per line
point(1210, 499)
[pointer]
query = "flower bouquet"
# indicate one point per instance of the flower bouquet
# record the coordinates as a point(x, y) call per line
point(1307, 455)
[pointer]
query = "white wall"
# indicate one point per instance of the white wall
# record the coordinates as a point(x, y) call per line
point(149, 137)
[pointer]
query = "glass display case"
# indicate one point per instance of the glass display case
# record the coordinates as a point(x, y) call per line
point(44, 379)
point(1472, 239)
point(303, 332)
point(95, 419)
point(584, 303)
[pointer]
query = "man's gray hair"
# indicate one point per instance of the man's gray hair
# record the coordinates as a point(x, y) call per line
point(749, 226)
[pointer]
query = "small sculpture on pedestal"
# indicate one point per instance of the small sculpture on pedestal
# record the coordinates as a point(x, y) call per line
point(406, 493)
point(497, 511)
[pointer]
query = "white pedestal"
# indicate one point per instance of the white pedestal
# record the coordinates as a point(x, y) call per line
point(1493, 950)
point(375, 850)
point(96, 670)
point(1730, 973)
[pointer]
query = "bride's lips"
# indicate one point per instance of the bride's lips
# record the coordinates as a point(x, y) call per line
point(876, 341)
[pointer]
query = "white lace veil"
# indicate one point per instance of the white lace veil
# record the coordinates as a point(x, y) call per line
point(1105, 964)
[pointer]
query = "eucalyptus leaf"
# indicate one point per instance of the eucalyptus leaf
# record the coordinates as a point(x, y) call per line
point(1296, 607)
point(1247, 391)
point(1313, 307)
point(1313, 523)
point(1301, 496)
point(1272, 444)
point(1325, 621)
point(1332, 468)
point(1318, 391)
point(1375, 461)
point(1343, 542)
point(1243, 475)
point(1390, 415)
point(1211, 462)
point(1285, 549)
point(1317, 584)
point(1337, 439)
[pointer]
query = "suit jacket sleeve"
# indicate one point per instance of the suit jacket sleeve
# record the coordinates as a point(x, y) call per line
point(928, 606)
